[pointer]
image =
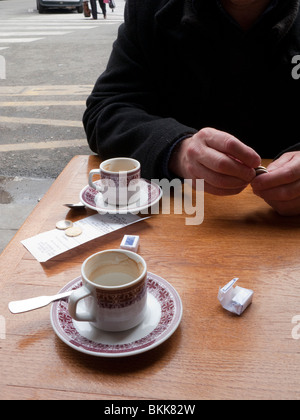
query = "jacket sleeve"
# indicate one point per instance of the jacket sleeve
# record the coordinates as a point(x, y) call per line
point(123, 116)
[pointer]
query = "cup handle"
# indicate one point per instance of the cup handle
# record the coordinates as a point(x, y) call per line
point(74, 299)
point(91, 183)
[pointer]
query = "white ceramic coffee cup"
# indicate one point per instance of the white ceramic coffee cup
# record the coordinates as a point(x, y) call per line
point(114, 292)
point(119, 177)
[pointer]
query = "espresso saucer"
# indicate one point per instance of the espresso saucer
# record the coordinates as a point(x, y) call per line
point(148, 195)
point(163, 316)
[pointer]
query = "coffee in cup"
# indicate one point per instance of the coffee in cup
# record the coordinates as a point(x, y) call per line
point(119, 179)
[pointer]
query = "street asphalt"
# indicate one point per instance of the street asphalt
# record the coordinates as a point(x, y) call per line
point(48, 66)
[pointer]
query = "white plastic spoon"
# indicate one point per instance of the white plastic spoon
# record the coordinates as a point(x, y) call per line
point(26, 305)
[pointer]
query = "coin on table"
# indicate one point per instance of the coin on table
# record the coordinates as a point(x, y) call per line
point(64, 224)
point(261, 170)
point(73, 231)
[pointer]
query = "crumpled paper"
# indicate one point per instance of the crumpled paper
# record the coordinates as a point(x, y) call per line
point(235, 299)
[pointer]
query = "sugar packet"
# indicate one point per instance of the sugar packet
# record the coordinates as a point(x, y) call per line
point(235, 299)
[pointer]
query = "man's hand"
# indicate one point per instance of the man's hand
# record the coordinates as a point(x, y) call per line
point(224, 162)
point(280, 187)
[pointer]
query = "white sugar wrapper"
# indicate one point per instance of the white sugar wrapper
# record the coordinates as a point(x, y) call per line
point(235, 299)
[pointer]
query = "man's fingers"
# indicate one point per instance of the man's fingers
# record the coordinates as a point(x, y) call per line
point(219, 180)
point(284, 172)
point(286, 208)
point(231, 146)
point(220, 163)
point(221, 191)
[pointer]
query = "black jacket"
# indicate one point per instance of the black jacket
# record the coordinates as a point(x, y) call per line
point(180, 65)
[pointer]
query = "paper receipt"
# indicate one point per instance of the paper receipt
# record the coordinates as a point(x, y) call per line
point(47, 245)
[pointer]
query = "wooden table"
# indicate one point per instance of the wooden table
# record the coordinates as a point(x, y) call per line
point(213, 354)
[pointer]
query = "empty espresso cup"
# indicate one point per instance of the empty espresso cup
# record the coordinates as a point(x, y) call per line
point(119, 179)
point(114, 292)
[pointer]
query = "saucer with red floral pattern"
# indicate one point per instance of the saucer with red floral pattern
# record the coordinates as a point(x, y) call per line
point(147, 195)
point(163, 316)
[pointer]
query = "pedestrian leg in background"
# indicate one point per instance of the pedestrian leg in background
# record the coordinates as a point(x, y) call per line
point(94, 9)
point(103, 7)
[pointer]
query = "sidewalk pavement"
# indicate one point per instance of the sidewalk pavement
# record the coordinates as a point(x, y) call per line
point(18, 197)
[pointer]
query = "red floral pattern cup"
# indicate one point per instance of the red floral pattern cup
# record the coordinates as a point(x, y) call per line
point(119, 179)
point(114, 292)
